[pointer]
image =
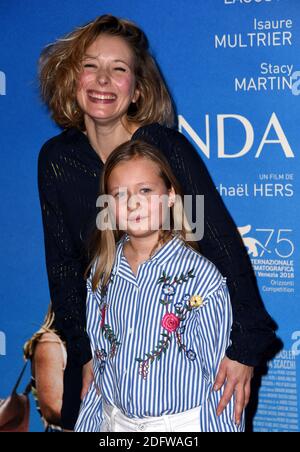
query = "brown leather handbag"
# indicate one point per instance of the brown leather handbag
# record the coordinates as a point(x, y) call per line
point(15, 409)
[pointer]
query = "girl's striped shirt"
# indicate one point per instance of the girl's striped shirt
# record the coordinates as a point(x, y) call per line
point(158, 338)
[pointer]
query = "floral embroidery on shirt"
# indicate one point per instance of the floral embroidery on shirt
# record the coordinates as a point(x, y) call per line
point(196, 301)
point(112, 339)
point(169, 290)
point(191, 355)
point(107, 330)
point(172, 322)
point(103, 314)
point(101, 356)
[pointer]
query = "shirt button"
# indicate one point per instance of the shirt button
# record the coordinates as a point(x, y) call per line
point(130, 330)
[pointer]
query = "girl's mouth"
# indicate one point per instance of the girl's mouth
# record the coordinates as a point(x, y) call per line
point(136, 219)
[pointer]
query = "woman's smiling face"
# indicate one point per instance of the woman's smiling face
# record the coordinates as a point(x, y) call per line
point(107, 85)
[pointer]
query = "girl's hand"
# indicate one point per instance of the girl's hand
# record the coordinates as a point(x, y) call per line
point(87, 378)
point(238, 381)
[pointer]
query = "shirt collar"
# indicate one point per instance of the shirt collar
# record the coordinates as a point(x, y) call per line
point(164, 254)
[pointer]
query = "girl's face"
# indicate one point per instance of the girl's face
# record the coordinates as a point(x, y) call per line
point(142, 200)
point(106, 86)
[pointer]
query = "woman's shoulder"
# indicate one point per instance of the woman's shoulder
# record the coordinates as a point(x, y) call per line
point(49, 336)
point(160, 134)
point(59, 144)
point(49, 352)
point(47, 344)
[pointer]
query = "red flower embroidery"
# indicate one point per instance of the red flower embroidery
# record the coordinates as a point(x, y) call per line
point(170, 322)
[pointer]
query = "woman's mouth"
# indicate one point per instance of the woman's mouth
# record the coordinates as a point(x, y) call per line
point(100, 97)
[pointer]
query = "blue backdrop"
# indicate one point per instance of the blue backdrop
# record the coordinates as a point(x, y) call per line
point(234, 71)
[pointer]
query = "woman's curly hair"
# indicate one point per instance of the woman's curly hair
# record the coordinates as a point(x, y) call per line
point(60, 65)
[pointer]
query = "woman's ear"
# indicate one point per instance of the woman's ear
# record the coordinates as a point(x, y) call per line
point(172, 196)
point(136, 96)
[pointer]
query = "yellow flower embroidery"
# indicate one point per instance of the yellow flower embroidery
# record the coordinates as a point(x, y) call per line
point(196, 301)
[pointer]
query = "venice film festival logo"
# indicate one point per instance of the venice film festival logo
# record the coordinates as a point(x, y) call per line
point(263, 242)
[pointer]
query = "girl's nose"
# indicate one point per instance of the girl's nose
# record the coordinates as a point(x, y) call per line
point(133, 202)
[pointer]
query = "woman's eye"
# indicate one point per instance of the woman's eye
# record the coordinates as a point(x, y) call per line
point(89, 65)
point(146, 190)
point(121, 69)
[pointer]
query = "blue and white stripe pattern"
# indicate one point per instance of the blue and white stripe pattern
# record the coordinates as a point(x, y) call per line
point(178, 376)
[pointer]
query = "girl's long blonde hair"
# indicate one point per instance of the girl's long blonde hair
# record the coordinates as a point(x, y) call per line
point(47, 327)
point(103, 243)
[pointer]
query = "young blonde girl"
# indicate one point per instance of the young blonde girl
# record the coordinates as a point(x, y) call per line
point(158, 313)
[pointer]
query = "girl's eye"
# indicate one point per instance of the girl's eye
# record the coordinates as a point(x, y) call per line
point(146, 190)
point(120, 195)
point(121, 69)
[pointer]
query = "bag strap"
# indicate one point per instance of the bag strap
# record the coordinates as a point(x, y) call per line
point(28, 389)
point(14, 391)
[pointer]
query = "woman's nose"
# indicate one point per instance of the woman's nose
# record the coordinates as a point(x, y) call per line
point(102, 77)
